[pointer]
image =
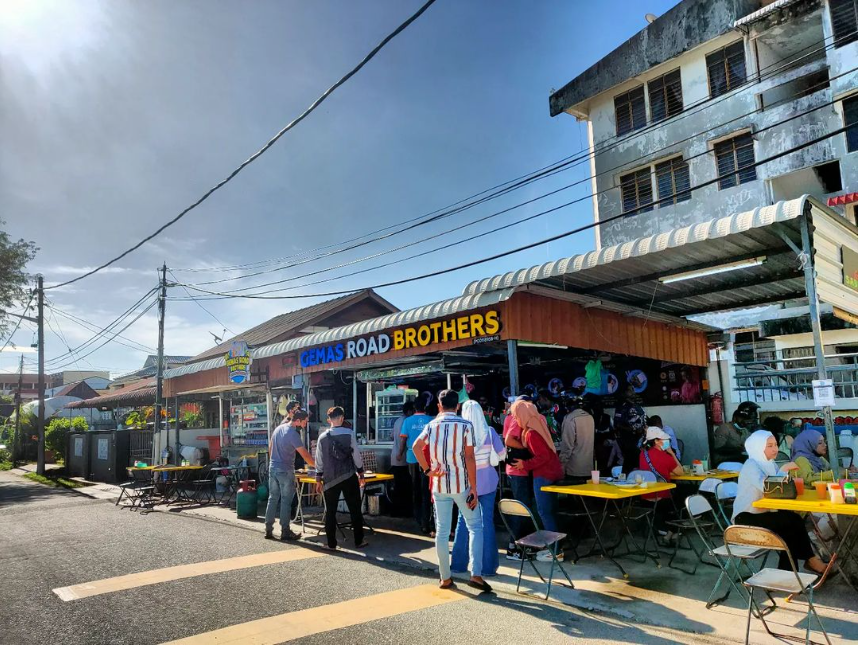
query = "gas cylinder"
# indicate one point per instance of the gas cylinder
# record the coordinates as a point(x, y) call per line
point(245, 500)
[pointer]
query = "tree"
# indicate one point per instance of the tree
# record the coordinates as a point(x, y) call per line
point(13, 278)
point(57, 433)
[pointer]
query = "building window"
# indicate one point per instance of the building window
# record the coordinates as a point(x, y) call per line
point(850, 118)
point(735, 159)
point(673, 182)
point(665, 96)
point(726, 68)
point(637, 191)
point(844, 21)
point(631, 110)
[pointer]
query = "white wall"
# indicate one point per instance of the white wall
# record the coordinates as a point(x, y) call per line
point(689, 422)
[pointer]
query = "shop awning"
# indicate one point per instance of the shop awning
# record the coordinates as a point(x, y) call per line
point(223, 389)
point(737, 262)
point(141, 393)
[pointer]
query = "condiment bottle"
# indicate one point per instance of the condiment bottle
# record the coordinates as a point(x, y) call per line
point(835, 494)
point(849, 493)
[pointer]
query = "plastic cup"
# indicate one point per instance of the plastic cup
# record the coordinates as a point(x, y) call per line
point(594, 476)
point(821, 490)
point(799, 486)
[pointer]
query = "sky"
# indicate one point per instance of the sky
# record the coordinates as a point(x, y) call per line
point(118, 114)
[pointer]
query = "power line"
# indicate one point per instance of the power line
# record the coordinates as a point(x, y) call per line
point(262, 150)
point(526, 247)
point(506, 226)
point(547, 171)
point(200, 305)
point(92, 327)
point(18, 324)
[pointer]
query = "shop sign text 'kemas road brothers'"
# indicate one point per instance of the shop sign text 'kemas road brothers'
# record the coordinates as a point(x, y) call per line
point(471, 326)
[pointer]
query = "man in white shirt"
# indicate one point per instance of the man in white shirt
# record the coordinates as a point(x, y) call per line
point(453, 473)
point(577, 435)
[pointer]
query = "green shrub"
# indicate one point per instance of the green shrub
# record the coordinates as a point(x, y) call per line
point(5, 455)
point(57, 432)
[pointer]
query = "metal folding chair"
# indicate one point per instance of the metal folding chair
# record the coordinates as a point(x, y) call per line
point(699, 508)
point(531, 544)
point(138, 490)
point(725, 495)
point(791, 582)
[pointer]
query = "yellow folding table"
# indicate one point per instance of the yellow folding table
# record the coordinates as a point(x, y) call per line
point(712, 474)
point(612, 495)
point(305, 480)
point(809, 502)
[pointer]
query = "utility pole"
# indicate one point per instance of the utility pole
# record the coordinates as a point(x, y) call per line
point(40, 316)
point(159, 379)
point(16, 439)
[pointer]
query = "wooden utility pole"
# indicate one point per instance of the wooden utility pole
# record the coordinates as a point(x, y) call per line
point(40, 321)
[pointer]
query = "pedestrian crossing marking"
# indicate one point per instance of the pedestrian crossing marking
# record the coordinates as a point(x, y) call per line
point(316, 620)
point(167, 574)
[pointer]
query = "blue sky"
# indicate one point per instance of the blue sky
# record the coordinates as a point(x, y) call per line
point(118, 114)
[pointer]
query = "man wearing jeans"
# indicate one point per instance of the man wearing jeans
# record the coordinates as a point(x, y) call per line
point(453, 473)
point(285, 442)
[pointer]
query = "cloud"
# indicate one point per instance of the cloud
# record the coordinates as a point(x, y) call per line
point(64, 269)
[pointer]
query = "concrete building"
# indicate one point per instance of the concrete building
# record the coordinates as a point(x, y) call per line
point(708, 89)
point(98, 380)
point(679, 118)
point(29, 387)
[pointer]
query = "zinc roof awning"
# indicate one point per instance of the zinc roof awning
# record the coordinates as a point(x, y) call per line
point(741, 261)
point(223, 389)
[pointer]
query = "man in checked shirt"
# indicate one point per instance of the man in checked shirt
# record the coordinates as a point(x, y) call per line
point(452, 470)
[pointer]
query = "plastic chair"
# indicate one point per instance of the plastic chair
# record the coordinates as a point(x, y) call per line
point(531, 544)
point(698, 507)
point(734, 466)
point(791, 582)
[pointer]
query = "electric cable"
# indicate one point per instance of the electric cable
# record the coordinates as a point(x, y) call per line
point(131, 344)
point(18, 324)
point(259, 152)
point(263, 296)
point(200, 305)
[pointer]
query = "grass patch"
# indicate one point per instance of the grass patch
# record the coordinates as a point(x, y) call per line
point(5, 465)
point(55, 481)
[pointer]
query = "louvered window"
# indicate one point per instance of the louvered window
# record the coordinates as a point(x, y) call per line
point(673, 182)
point(844, 21)
point(636, 188)
point(665, 96)
point(850, 117)
point(735, 159)
point(630, 109)
point(726, 68)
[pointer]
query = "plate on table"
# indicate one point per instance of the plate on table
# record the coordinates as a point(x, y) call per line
point(625, 484)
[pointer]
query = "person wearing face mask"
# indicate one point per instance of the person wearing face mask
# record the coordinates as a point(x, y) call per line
point(729, 438)
point(658, 458)
point(762, 448)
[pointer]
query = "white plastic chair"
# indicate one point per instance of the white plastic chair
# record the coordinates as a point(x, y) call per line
point(735, 466)
point(646, 475)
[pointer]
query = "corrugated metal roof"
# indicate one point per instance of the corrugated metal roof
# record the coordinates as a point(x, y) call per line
point(290, 322)
point(371, 326)
point(628, 276)
point(135, 394)
point(762, 13)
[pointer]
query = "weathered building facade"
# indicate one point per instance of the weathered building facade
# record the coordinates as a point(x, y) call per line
point(681, 115)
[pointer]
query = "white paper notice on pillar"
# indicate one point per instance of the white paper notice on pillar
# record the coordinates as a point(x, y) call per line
point(823, 393)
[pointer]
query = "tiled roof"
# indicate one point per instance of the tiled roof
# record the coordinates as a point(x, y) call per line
point(290, 323)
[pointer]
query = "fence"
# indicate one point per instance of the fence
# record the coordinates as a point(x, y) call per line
point(140, 446)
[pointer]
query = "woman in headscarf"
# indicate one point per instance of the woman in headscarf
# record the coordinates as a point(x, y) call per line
point(762, 448)
point(544, 464)
point(808, 453)
point(488, 452)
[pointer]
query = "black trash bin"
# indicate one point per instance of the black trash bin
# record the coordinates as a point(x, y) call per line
point(77, 454)
point(109, 453)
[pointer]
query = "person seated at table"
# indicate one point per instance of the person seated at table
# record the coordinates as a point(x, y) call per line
point(488, 452)
point(655, 420)
point(729, 438)
point(577, 436)
point(808, 452)
point(762, 448)
point(284, 443)
point(658, 458)
point(339, 469)
point(544, 464)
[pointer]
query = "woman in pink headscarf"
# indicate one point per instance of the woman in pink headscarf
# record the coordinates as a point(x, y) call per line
point(544, 464)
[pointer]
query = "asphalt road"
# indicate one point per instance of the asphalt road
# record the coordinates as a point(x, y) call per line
point(53, 539)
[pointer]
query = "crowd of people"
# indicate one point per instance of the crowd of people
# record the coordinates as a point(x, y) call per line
point(445, 465)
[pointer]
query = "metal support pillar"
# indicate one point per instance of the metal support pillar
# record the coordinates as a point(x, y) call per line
point(220, 421)
point(354, 401)
point(816, 326)
point(512, 356)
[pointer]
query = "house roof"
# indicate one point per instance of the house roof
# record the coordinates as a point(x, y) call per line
point(293, 322)
point(141, 393)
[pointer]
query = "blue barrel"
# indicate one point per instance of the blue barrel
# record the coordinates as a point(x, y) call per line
point(245, 505)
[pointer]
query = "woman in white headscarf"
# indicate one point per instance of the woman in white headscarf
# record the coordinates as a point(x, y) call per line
point(762, 448)
point(488, 452)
